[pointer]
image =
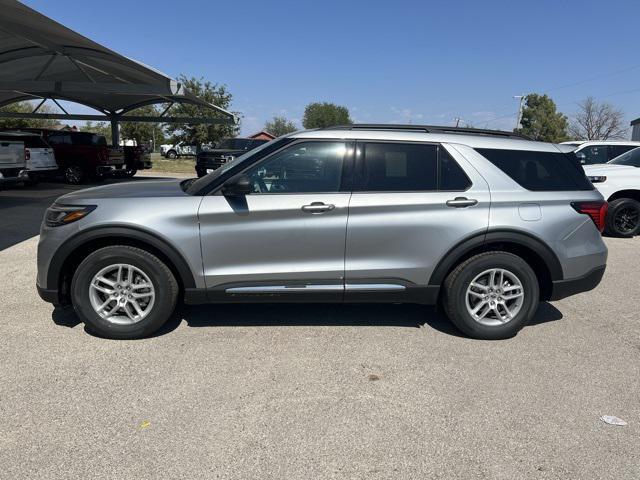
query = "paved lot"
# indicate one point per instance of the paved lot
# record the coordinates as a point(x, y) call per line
point(315, 391)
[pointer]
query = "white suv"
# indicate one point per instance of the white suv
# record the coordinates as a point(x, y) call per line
point(600, 151)
point(619, 182)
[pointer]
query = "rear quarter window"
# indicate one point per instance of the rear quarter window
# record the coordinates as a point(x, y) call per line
point(539, 171)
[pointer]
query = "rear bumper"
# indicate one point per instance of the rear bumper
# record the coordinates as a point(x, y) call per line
point(48, 295)
point(566, 288)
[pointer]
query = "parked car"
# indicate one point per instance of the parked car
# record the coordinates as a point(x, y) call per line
point(485, 223)
point(180, 149)
point(619, 182)
point(40, 160)
point(210, 159)
point(82, 155)
point(600, 151)
point(13, 163)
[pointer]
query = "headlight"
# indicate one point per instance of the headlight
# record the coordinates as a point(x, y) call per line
point(597, 179)
point(63, 214)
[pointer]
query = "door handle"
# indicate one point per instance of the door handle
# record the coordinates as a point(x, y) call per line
point(317, 207)
point(461, 202)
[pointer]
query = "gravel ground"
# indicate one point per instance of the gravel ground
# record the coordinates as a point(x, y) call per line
point(316, 391)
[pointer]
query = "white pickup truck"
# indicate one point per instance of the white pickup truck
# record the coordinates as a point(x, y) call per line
point(13, 164)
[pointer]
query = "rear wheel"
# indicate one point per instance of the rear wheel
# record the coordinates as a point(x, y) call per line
point(623, 218)
point(491, 296)
point(123, 292)
point(74, 175)
point(130, 172)
point(172, 154)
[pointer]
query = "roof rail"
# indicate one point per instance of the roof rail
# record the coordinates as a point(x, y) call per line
point(428, 129)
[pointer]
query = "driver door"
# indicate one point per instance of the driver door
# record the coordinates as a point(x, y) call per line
point(287, 237)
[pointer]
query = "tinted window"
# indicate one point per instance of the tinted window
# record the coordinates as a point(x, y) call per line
point(393, 167)
point(35, 142)
point(632, 158)
point(539, 171)
point(452, 177)
point(593, 154)
point(303, 167)
point(88, 139)
point(60, 139)
point(617, 150)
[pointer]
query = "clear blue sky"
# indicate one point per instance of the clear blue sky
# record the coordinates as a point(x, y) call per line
point(402, 61)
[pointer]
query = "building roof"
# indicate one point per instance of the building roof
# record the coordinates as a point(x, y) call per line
point(40, 59)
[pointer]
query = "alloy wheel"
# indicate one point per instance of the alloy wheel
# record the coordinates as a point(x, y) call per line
point(122, 294)
point(626, 220)
point(494, 297)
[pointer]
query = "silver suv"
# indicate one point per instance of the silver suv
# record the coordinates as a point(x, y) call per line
point(484, 223)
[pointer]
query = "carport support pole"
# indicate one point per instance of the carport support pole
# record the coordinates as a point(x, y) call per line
point(115, 133)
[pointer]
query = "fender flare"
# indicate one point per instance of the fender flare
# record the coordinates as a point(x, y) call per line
point(83, 237)
point(452, 257)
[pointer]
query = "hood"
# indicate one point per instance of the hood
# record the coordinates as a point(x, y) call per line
point(140, 189)
point(608, 168)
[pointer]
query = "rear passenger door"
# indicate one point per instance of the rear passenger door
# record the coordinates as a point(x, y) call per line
point(411, 203)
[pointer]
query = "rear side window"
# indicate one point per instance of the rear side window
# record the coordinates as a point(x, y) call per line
point(407, 167)
point(35, 142)
point(60, 140)
point(539, 171)
point(617, 150)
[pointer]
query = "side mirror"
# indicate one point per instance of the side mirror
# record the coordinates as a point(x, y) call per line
point(237, 186)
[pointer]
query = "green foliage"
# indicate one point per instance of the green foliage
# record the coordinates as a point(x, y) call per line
point(101, 128)
point(322, 115)
point(541, 121)
point(279, 126)
point(26, 107)
point(143, 133)
point(210, 92)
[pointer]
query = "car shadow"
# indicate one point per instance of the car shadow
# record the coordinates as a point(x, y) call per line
point(270, 315)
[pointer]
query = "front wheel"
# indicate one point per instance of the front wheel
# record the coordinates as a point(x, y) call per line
point(172, 154)
point(623, 218)
point(491, 296)
point(123, 292)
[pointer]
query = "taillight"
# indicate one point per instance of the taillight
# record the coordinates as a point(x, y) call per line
point(596, 210)
point(27, 154)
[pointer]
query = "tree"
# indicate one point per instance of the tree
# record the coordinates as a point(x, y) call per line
point(597, 121)
point(26, 107)
point(143, 132)
point(279, 126)
point(322, 115)
point(541, 121)
point(212, 93)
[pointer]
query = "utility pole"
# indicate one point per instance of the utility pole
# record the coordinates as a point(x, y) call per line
point(519, 119)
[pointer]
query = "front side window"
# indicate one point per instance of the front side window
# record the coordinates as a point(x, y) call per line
point(307, 167)
point(617, 150)
point(631, 158)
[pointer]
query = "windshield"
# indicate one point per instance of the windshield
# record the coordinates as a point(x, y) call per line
point(630, 158)
point(199, 184)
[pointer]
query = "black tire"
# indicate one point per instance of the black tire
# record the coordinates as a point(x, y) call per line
point(129, 173)
point(159, 274)
point(455, 291)
point(172, 155)
point(32, 182)
point(623, 218)
point(74, 175)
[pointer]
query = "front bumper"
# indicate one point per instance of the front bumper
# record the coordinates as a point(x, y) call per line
point(565, 288)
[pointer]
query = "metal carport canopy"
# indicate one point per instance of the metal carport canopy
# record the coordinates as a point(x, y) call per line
point(42, 59)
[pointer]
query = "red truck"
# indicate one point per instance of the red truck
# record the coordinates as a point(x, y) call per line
point(82, 155)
